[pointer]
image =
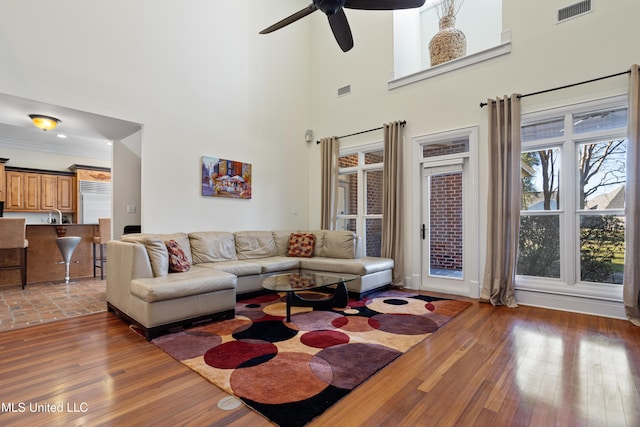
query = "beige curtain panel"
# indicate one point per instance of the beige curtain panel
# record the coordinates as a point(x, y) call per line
point(503, 210)
point(329, 184)
point(392, 245)
point(631, 281)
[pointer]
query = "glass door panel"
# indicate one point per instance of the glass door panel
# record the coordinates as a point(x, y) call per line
point(443, 226)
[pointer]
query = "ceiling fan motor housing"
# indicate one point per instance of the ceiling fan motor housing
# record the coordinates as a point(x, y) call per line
point(329, 7)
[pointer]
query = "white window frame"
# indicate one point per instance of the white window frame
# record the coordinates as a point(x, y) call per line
point(360, 170)
point(569, 283)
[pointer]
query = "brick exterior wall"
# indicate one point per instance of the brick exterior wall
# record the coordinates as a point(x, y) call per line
point(374, 236)
point(446, 221)
point(352, 186)
point(348, 161)
point(374, 157)
point(453, 147)
point(374, 206)
point(374, 192)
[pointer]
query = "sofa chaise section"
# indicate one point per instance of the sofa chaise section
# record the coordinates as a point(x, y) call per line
point(158, 304)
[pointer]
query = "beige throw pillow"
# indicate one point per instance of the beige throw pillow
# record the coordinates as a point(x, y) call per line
point(158, 255)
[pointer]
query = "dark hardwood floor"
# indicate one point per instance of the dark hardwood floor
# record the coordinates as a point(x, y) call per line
point(488, 367)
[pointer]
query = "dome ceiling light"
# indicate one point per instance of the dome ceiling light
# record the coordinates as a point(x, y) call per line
point(44, 122)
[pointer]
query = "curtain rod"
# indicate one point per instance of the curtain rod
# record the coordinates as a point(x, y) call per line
point(482, 104)
point(402, 123)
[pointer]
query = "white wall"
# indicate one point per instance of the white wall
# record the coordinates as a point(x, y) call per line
point(200, 79)
point(544, 55)
point(126, 183)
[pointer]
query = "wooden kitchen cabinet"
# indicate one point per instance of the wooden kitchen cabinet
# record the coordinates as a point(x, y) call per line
point(14, 197)
point(56, 193)
point(66, 191)
point(2, 180)
point(49, 192)
point(37, 192)
point(32, 191)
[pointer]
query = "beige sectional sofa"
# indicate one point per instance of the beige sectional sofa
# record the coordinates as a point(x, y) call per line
point(141, 289)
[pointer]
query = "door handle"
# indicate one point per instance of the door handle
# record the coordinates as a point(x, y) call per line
point(424, 232)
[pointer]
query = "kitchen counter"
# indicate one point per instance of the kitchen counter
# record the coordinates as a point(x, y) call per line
point(44, 255)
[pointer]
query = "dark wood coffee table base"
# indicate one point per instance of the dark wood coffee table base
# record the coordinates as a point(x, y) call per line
point(339, 299)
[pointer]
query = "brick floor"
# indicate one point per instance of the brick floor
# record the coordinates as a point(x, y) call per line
point(49, 301)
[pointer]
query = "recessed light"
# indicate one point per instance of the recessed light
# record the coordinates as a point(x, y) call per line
point(63, 136)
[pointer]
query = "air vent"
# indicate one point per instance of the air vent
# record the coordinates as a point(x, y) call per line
point(95, 187)
point(344, 90)
point(574, 10)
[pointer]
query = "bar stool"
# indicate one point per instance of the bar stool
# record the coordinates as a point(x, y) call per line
point(104, 235)
point(67, 245)
point(13, 232)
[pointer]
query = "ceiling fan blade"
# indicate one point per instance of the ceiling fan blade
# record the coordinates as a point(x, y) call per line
point(341, 30)
point(383, 4)
point(290, 19)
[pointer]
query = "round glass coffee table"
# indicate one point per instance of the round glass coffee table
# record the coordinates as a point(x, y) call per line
point(295, 282)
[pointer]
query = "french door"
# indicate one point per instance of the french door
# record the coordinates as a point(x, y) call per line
point(444, 209)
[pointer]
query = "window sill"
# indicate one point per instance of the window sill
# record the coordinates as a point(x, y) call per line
point(485, 55)
point(604, 292)
point(596, 300)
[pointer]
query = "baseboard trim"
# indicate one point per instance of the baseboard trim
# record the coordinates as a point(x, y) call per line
point(462, 291)
point(552, 301)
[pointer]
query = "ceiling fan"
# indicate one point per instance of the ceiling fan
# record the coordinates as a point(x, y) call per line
point(334, 9)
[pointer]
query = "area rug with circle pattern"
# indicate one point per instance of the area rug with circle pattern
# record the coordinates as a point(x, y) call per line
point(291, 372)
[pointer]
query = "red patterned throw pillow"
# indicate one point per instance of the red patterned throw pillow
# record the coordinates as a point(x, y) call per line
point(178, 261)
point(301, 245)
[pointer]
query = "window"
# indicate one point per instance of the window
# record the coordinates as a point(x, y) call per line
point(360, 195)
point(573, 176)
